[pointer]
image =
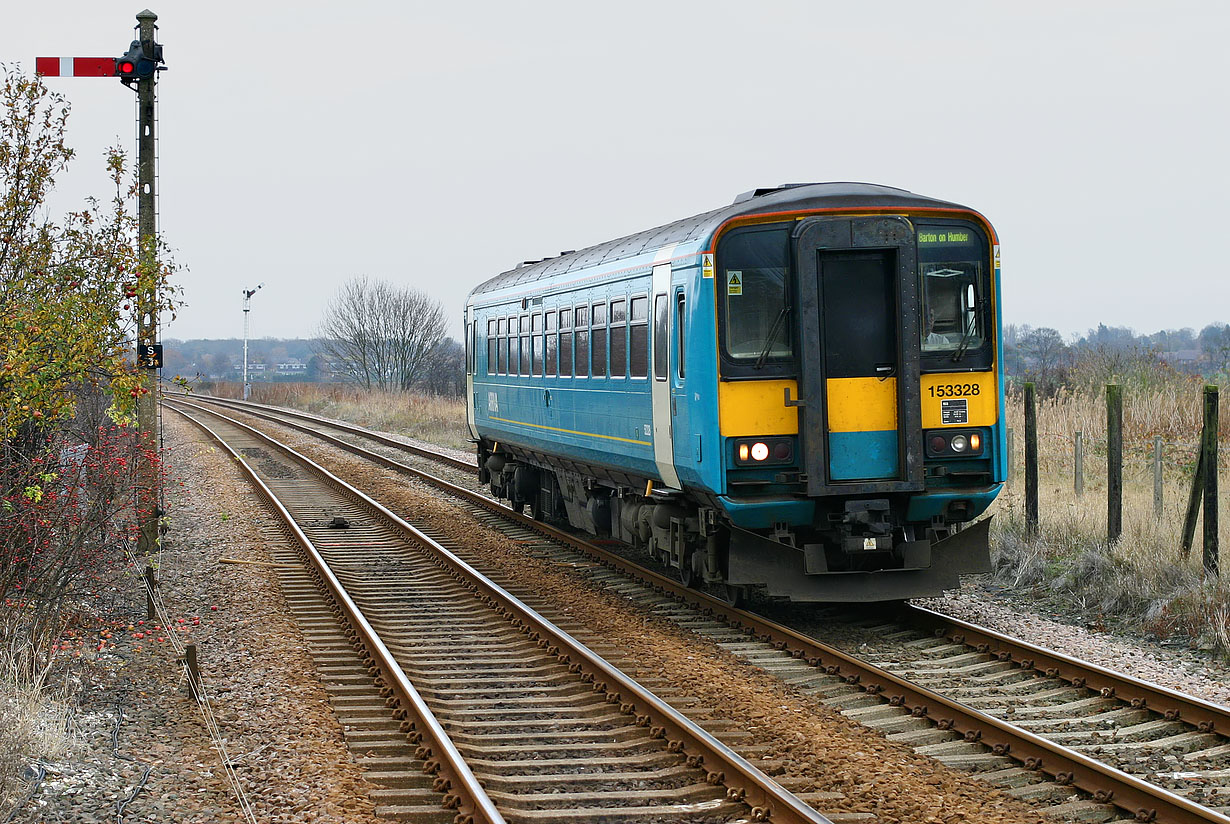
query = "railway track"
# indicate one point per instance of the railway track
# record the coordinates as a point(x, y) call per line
point(510, 717)
point(1040, 723)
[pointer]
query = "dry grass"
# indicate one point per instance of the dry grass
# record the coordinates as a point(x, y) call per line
point(34, 716)
point(1144, 581)
point(433, 419)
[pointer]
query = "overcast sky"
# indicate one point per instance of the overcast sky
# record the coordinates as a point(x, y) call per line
point(437, 144)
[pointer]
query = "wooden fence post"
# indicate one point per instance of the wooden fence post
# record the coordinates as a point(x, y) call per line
point(1114, 462)
point(1208, 451)
point(194, 672)
point(1193, 504)
point(150, 583)
point(1031, 460)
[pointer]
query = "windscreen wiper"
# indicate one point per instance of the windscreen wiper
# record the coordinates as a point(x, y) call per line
point(768, 343)
point(966, 337)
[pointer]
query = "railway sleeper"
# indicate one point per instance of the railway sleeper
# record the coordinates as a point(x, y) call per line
point(1105, 722)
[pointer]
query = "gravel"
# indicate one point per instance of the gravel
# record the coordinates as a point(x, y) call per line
point(272, 712)
point(135, 714)
point(1175, 666)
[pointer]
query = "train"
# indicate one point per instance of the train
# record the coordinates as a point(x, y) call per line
point(798, 394)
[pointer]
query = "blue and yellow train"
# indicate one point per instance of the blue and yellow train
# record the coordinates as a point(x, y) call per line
point(800, 392)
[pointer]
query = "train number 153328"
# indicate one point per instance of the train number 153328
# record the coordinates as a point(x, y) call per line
point(954, 390)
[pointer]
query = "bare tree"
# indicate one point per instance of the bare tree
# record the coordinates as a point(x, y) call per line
point(379, 335)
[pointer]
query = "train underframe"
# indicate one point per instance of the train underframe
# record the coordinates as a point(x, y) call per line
point(855, 550)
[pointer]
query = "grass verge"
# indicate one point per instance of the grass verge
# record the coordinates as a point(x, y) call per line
point(35, 714)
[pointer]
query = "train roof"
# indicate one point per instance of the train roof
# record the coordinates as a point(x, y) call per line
point(786, 198)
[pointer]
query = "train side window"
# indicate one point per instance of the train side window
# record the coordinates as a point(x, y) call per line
point(582, 360)
point(565, 343)
point(638, 335)
point(513, 345)
point(501, 346)
point(536, 331)
point(680, 315)
point(469, 348)
point(598, 339)
point(525, 345)
point(552, 342)
point(619, 338)
point(493, 345)
point(754, 267)
point(661, 320)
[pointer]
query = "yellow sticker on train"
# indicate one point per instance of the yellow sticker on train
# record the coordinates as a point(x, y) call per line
point(734, 281)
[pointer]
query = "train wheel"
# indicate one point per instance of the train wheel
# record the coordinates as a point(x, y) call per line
point(689, 575)
point(736, 596)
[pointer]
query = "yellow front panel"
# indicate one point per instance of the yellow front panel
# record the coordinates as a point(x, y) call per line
point(753, 408)
point(862, 404)
point(977, 388)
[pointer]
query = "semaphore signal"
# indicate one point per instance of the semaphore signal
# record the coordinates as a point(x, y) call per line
point(76, 66)
point(138, 67)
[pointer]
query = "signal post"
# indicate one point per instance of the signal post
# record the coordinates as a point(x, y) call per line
point(148, 348)
point(139, 67)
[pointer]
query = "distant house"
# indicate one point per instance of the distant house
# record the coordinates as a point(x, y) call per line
point(1182, 357)
point(292, 367)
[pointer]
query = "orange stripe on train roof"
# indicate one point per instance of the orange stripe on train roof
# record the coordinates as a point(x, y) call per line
point(768, 217)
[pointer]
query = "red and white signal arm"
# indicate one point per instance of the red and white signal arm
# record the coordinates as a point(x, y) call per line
point(75, 66)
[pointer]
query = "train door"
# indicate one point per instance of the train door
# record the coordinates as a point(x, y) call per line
point(661, 389)
point(858, 293)
point(687, 443)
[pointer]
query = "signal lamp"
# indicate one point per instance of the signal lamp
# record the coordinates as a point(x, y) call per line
point(764, 451)
point(953, 444)
point(139, 63)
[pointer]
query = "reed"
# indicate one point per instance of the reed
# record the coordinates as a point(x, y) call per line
point(437, 420)
point(1143, 582)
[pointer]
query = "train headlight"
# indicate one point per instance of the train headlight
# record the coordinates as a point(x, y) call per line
point(764, 451)
point(947, 444)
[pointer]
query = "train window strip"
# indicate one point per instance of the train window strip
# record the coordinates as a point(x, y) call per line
point(618, 346)
point(598, 341)
point(565, 354)
point(524, 359)
point(552, 340)
point(493, 345)
point(680, 315)
point(638, 337)
point(661, 321)
point(470, 348)
point(582, 357)
point(581, 363)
